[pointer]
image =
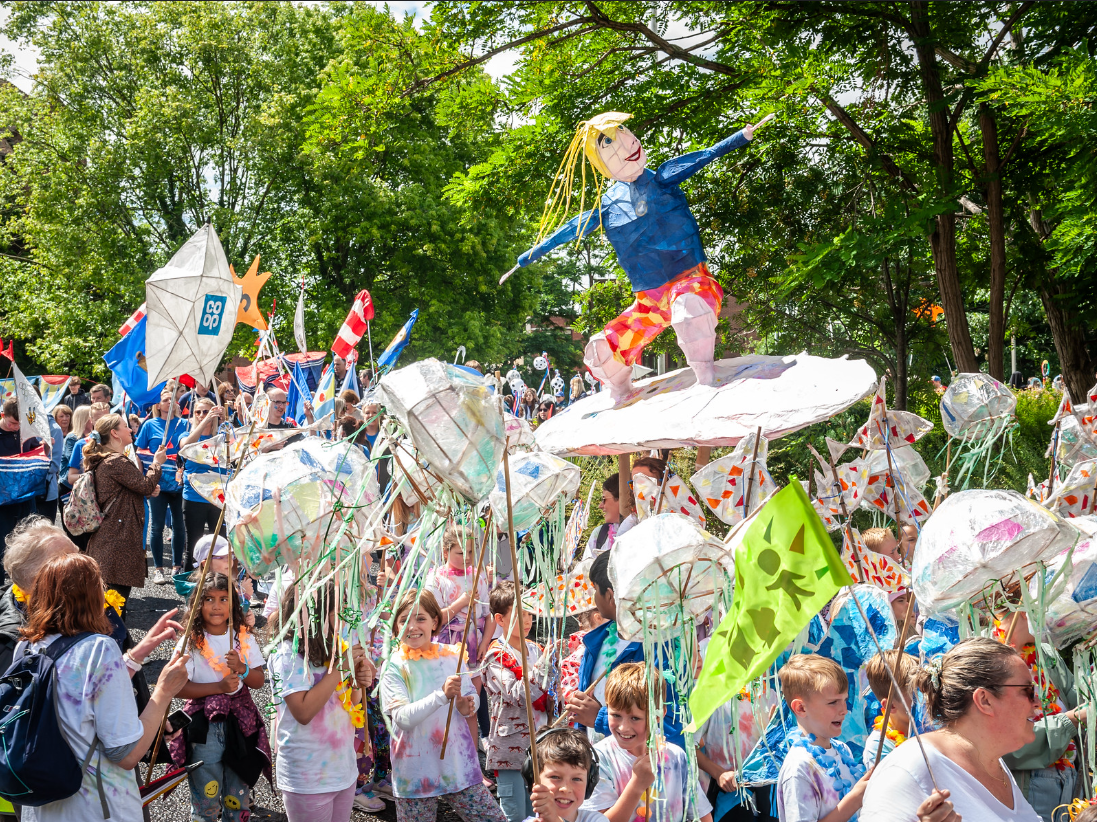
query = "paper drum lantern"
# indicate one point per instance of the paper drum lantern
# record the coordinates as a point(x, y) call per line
point(453, 420)
point(663, 569)
point(974, 405)
point(538, 480)
point(1072, 615)
point(278, 509)
point(977, 537)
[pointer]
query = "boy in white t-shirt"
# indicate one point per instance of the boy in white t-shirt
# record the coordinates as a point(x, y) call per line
point(566, 759)
point(820, 781)
point(629, 787)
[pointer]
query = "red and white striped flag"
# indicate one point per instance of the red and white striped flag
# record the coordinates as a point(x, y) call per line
point(354, 326)
point(132, 321)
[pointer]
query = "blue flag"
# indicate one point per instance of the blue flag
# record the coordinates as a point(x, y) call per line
point(396, 347)
point(127, 363)
point(297, 395)
point(323, 401)
point(350, 380)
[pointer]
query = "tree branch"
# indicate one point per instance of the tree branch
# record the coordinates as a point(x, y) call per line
point(419, 85)
point(843, 117)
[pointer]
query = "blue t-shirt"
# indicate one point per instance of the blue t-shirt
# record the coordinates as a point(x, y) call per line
point(190, 468)
point(77, 459)
point(150, 438)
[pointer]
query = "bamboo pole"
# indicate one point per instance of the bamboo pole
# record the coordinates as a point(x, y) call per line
point(468, 623)
point(1054, 455)
point(624, 478)
point(588, 691)
point(750, 479)
point(894, 676)
point(518, 606)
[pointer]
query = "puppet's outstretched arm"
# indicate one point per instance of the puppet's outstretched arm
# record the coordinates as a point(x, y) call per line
point(681, 168)
point(578, 226)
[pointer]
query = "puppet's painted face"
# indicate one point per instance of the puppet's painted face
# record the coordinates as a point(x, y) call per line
point(622, 154)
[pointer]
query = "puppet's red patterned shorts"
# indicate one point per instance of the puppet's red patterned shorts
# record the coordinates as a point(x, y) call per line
point(646, 318)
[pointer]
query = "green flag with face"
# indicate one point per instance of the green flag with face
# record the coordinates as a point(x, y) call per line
point(786, 570)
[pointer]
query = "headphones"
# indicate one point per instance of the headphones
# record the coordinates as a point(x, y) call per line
point(592, 775)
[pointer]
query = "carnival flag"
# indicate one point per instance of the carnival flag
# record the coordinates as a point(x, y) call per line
point(354, 326)
point(392, 353)
point(135, 318)
point(786, 570)
point(299, 324)
point(323, 401)
point(190, 318)
point(32, 414)
point(297, 393)
point(127, 363)
point(52, 387)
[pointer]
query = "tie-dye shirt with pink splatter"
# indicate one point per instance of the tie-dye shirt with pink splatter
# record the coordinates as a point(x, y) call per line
point(412, 677)
point(318, 757)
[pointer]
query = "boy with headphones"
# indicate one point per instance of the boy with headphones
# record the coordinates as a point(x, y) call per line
point(569, 774)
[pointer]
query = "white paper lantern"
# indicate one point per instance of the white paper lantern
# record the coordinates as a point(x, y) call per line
point(1072, 615)
point(453, 421)
point(663, 568)
point(981, 536)
point(974, 405)
point(279, 509)
point(538, 480)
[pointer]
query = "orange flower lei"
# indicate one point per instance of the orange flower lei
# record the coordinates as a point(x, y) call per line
point(891, 734)
point(215, 662)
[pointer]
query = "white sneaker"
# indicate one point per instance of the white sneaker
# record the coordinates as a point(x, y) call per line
point(369, 802)
point(158, 577)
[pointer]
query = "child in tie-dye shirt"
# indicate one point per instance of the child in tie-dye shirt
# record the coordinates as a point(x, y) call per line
point(629, 788)
point(417, 684)
point(318, 712)
point(819, 778)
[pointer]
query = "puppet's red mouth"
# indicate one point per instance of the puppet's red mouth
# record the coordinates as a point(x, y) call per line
point(632, 158)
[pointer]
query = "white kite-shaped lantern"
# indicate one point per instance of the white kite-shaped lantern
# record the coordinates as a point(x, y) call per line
point(192, 304)
point(975, 406)
point(677, 497)
point(978, 538)
point(1074, 496)
point(287, 507)
point(452, 419)
point(537, 480)
point(722, 484)
point(567, 595)
point(665, 570)
point(1072, 614)
point(889, 428)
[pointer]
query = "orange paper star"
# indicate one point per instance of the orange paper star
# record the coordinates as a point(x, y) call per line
point(251, 282)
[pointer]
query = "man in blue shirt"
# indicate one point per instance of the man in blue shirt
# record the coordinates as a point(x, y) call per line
point(648, 222)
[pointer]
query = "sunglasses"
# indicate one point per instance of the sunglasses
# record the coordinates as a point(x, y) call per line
point(1030, 689)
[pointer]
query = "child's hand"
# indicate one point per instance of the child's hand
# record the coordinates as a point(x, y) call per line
point(583, 708)
point(641, 770)
point(364, 670)
point(249, 619)
point(857, 793)
point(544, 803)
point(727, 782)
point(461, 602)
point(236, 665)
point(230, 683)
point(452, 688)
point(464, 706)
point(934, 809)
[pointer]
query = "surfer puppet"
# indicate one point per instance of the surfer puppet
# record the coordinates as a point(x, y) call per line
point(649, 224)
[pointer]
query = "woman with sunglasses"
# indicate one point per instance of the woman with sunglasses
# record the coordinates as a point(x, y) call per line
point(981, 693)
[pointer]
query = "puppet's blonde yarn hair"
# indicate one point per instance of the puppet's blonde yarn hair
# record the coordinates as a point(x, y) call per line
point(584, 142)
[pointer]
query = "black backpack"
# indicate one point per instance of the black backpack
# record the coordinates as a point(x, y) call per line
point(37, 766)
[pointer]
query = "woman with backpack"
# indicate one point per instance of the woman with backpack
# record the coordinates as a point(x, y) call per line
point(120, 491)
point(94, 701)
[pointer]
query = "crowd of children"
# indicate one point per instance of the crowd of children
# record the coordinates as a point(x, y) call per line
point(457, 651)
